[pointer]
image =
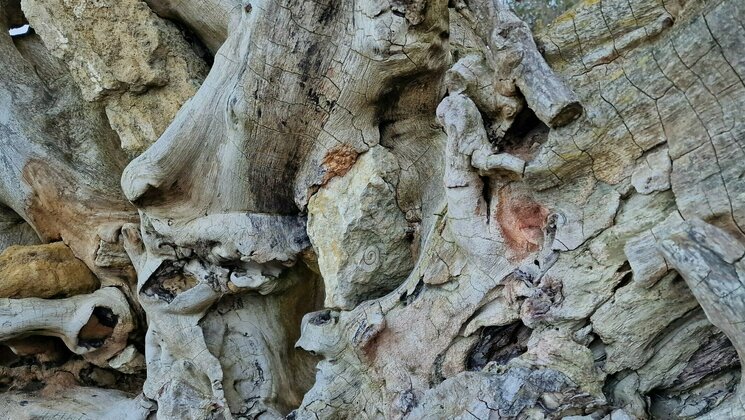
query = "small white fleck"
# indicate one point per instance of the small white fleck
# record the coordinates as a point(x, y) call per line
point(19, 31)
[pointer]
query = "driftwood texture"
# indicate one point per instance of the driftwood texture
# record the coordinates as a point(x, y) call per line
point(229, 209)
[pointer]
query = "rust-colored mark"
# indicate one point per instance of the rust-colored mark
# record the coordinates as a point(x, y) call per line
point(522, 221)
point(370, 347)
point(338, 161)
point(95, 330)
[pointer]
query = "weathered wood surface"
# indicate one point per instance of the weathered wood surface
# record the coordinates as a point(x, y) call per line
point(372, 209)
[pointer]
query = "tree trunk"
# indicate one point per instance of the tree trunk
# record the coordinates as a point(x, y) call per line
point(373, 209)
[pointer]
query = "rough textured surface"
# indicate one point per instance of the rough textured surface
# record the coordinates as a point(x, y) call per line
point(44, 271)
point(121, 54)
point(373, 209)
point(208, 19)
point(361, 240)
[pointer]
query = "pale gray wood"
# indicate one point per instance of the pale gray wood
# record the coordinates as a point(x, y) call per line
point(382, 208)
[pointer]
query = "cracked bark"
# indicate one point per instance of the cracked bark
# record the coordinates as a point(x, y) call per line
point(397, 209)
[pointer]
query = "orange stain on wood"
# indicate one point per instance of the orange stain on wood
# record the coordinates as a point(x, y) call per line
point(522, 220)
point(338, 161)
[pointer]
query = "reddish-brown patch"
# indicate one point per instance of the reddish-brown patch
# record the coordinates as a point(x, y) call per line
point(338, 161)
point(370, 347)
point(522, 221)
point(95, 330)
